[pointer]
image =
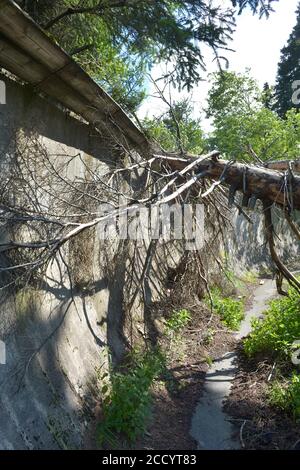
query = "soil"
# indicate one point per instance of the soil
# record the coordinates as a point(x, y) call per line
point(177, 394)
point(176, 399)
point(260, 426)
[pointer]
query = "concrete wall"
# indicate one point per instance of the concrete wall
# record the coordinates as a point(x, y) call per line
point(247, 247)
point(56, 347)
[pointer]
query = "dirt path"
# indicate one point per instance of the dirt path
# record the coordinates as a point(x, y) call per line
point(211, 426)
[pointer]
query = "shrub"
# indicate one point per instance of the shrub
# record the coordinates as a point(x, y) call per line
point(178, 320)
point(286, 396)
point(230, 310)
point(278, 329)
point(127, 399)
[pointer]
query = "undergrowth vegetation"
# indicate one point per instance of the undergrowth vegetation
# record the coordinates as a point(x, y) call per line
point(274, 336)
point(230, 310)
point(127, 392)
point(178, 320)
point(227, 298)
point(127, 397)
point(285, 394)
point(279, 328)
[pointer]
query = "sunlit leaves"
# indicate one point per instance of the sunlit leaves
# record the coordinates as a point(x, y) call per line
point(164, 129)
point(242, 121)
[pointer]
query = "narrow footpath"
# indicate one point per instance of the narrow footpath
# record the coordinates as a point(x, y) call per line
point(211, 426)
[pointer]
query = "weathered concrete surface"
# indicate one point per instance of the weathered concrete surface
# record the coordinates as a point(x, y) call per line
point(246, 243)
point(56, 348)
point(211, 426)
point(52, 348)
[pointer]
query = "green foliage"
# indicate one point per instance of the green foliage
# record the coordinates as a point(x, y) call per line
point(230, 310)
point(234, 93)
point(263, 8)
point(278, 329)
point(243, 121)
point(209, 361)
point(164, 129)
point(286, 395)
point(275, 334)
point(120, 74)
point(125, 38)
point(127, 399)
point(268, 96)
point(178, 320)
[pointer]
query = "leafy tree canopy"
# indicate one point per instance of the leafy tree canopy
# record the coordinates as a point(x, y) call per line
point(177, 129)
point(117, 40)
point(243, 124)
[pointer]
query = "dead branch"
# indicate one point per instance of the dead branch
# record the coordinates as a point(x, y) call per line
point(293, 225)
point(269, 227)
point(264, 183)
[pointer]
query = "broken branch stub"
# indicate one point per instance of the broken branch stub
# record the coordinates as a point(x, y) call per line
point(264, 183)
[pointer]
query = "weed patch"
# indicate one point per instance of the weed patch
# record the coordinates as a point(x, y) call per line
point(286, 395)
point(230, 310)
point(178, 320)
point(279, 328)
point(127, 398)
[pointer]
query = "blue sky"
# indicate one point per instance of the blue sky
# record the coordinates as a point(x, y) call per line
point(257, 44)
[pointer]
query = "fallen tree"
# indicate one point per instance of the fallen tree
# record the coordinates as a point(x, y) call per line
point(253, 181)
point(180, 176)
point(283, 165)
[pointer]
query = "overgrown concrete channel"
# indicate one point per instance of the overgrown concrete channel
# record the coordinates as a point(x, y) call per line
point(113, 338)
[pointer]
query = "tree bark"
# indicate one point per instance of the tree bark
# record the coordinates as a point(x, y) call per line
point(283, 165)
point(263, 183)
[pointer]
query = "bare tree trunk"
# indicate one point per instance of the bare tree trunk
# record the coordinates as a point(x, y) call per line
point(292, 280)
point(263, 183)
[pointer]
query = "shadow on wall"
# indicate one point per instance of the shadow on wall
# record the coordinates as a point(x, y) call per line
point(55, 350)
point(50, 354)
point(63, 339)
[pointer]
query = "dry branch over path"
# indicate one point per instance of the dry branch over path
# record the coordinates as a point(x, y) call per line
point(266, 184)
